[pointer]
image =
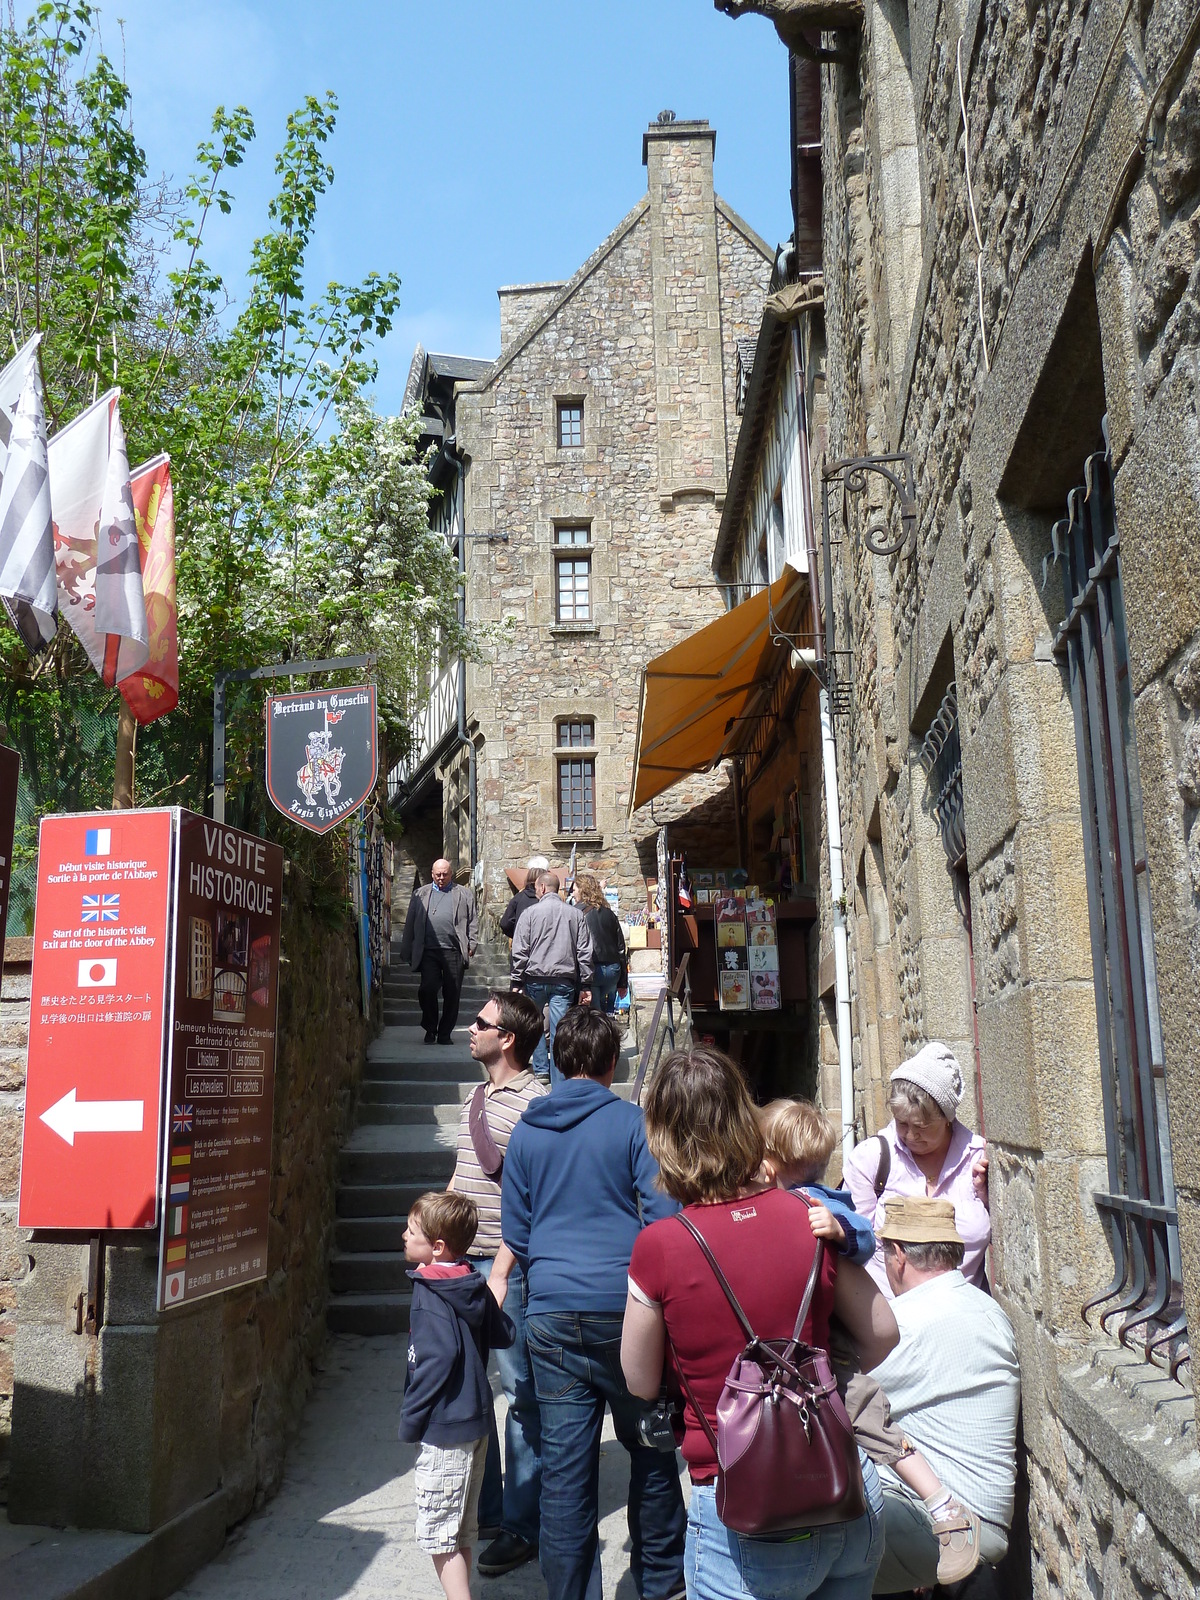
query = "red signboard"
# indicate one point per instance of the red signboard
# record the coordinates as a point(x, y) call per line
point(221, 1086)
point(90, 1152)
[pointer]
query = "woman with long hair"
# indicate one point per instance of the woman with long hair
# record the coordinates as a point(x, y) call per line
point(702, 1130)
point(611, 963)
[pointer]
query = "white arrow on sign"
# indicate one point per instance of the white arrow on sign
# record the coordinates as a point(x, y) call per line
point(69, 1116)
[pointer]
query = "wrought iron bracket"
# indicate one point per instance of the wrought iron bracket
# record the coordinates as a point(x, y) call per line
point(897, 468)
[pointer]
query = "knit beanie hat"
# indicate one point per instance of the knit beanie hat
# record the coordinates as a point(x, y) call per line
point(935, 1069)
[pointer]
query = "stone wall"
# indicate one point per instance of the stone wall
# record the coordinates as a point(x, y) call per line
point(644, 335)
point(202, 1401)
point(993, 366)
point(14, 1035)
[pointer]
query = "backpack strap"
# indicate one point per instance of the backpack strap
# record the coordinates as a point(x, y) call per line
point(805, 1303)
point(884, 1167)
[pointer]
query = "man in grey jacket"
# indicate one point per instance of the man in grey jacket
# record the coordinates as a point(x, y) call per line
point(441, 931)
point(552, 962)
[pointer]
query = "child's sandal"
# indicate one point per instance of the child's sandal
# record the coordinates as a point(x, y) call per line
point(958, 1543)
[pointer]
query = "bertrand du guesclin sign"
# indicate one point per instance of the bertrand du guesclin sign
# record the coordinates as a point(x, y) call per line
point(322, 754)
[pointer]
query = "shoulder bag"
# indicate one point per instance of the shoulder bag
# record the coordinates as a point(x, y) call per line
point(786, 1456)
point(487, 1152)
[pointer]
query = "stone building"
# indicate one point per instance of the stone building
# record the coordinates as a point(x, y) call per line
point(597, 451)
point(1011, 328)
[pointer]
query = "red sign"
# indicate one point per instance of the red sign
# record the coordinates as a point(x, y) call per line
point(90, 1151)
point(221, 1081)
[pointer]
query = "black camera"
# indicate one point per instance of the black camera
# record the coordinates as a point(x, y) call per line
point(657, 1426)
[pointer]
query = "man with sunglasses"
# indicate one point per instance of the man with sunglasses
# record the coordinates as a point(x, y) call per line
point(502, 1040)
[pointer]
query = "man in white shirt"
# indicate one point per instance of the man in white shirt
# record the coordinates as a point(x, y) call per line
point(954, 1387)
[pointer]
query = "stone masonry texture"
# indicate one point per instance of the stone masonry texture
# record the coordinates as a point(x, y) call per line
point(644, 336)
point(993, 361)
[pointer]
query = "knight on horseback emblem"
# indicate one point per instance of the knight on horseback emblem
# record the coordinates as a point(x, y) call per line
point(322, 763)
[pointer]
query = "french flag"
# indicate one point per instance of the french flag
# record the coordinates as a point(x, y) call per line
point(97, 842)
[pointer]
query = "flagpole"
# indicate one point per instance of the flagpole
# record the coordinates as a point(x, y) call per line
point(123, 771)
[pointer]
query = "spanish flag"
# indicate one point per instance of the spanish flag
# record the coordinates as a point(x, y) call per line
point(154, 690)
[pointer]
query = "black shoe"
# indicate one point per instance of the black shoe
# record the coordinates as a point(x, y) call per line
point(505, 1553)
point(430, 1037)
point(444, 1041)
point(490, 1530)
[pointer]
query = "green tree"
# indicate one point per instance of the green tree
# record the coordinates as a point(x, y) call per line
point(301, 515)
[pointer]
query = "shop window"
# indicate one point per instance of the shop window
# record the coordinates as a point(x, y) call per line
point(576, 776)
point(573, 574)
point(570, 424)
point(1144, 1300)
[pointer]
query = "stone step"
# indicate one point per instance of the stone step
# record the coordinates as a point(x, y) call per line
point(371, 1314)
point(428, 1091)
point(352, 1234)
point(378, 1201)
point(369, 1271)
point(408, 1114)
point(438, 1068)
point(422, 1154)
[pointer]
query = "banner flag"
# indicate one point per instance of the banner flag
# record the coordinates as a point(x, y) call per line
point(27, 584)
point(96, 542)
point(154, 691)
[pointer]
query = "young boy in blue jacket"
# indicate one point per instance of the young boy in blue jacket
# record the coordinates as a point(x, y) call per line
point(453, 1325)
point(799, 1141)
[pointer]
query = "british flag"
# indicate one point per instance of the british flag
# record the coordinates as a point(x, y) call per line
point(101, 908)
point(181, 1119)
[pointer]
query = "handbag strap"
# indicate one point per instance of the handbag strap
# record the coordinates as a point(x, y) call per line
point(487, 1152)
point(805, 1303)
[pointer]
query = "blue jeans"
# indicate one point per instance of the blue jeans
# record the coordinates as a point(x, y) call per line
point(832, 1563)
point(511, 1499)
point(604, 986)
point(558, 998)
point(576, 1359)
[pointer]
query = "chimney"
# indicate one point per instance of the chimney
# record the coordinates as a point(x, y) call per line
point(678, 157)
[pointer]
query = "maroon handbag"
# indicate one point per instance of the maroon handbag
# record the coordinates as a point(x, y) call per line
point(786, 1456)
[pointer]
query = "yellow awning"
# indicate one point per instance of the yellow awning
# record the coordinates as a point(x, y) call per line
point(694, 694)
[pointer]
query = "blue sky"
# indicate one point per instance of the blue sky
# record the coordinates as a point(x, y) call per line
point(477, 143)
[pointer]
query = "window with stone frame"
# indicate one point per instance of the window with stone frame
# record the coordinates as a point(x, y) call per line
point(573, 574)
point(576, 775)
point(570, 424)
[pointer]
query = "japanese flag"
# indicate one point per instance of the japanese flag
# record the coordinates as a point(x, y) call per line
point(98, 974)
point(173, 1286)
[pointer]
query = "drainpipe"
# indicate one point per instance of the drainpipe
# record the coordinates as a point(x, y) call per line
point(463, 736)
point(833, 814)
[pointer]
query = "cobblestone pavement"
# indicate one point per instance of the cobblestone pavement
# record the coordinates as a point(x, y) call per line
point(342, 1522)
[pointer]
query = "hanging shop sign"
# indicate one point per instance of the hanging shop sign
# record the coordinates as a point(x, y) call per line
point(90, 1146)
point(10, 773)
point(220, 1098)
point(322, 754)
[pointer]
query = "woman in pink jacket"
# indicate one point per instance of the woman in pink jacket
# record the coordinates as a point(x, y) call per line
point(926, 1150)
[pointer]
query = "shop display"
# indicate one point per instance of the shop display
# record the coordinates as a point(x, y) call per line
point(732, 953)
point(764, 954)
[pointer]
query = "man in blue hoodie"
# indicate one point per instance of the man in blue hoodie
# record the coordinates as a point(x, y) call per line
point(579, 1184)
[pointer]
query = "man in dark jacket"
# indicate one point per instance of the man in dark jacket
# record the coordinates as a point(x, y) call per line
point(453, 1325)
point(520, 903)
point(579, 1183)
point(441, 931)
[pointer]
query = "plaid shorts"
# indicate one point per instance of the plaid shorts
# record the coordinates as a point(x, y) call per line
point(448, 1481)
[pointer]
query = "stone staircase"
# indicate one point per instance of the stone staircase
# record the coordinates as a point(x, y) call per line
point(409, 1107)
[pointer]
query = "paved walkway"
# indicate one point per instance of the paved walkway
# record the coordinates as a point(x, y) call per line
point(342, 1523)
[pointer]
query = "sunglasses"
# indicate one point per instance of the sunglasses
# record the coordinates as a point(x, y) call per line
point(485, 1027)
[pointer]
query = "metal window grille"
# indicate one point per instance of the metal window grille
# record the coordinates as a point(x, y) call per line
point(573, 583)
point(577, 795)
point(1138, 1211)
point(571, 735)
point(570, 426)
point(941, 756)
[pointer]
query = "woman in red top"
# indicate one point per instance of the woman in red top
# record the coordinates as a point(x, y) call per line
point(701, 1128)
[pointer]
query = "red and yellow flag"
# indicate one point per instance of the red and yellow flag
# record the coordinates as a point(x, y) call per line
point(154, 690)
